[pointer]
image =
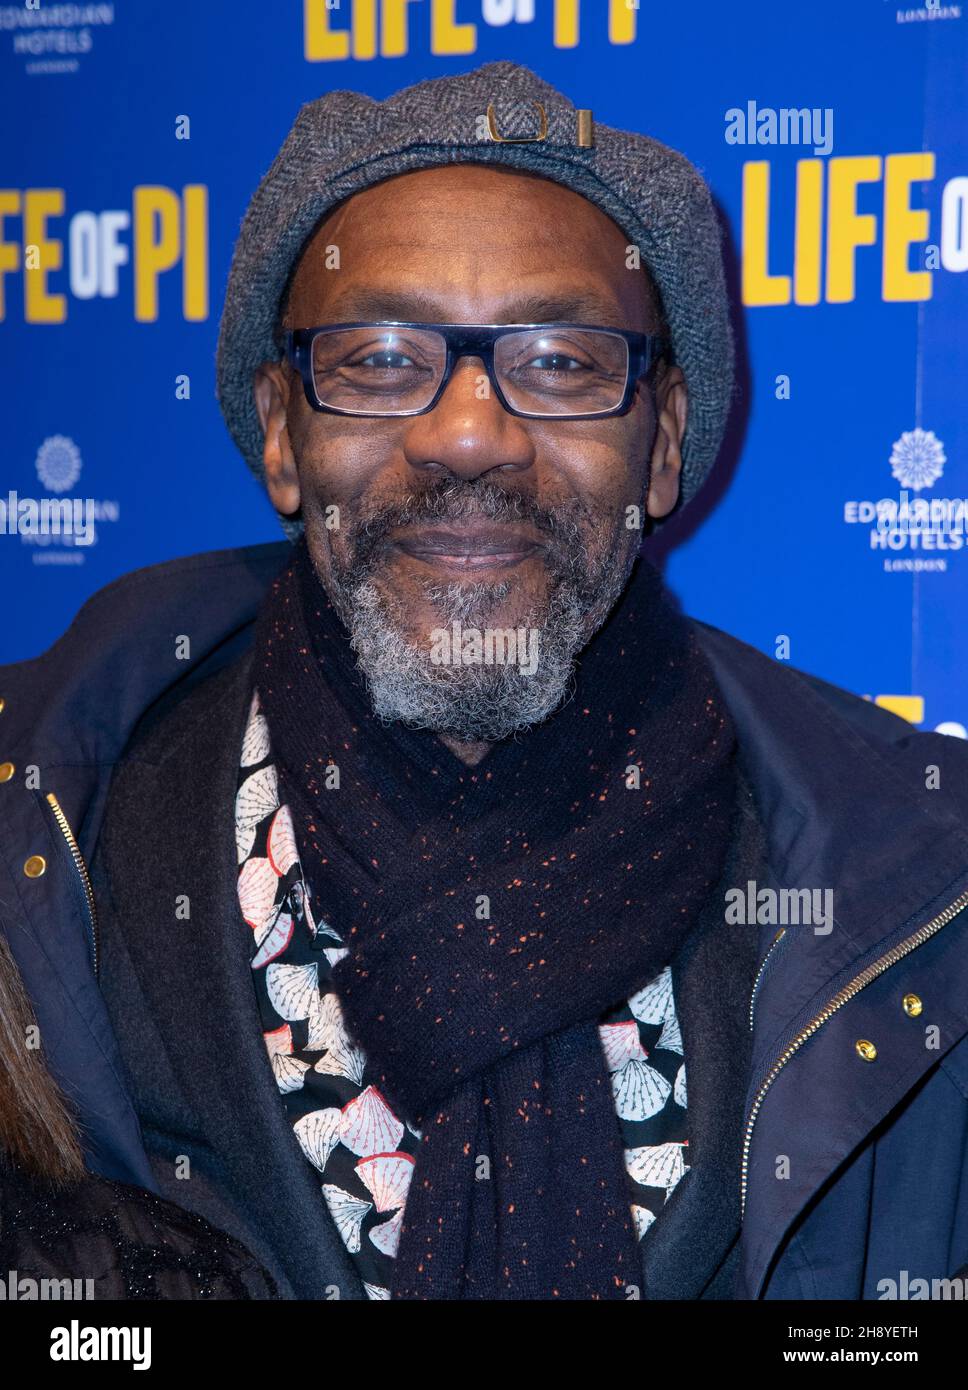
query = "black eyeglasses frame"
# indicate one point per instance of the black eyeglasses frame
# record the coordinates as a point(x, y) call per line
point(474, 340)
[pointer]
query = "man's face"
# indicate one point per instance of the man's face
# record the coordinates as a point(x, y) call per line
point(469, 513)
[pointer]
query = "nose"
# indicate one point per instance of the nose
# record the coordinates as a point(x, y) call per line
point(469, 433)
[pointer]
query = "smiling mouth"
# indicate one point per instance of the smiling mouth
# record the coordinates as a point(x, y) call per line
point(472, 546)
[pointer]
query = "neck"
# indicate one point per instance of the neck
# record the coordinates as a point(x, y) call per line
point(469, 753)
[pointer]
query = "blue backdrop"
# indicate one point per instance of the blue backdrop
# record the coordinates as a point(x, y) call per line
point(135, 133)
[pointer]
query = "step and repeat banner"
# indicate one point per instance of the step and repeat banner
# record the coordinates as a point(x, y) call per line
point(834, 136)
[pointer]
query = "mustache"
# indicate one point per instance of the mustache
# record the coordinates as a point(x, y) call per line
point(450, 499)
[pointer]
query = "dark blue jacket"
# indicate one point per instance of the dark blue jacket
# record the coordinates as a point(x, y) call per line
point(855, 1145)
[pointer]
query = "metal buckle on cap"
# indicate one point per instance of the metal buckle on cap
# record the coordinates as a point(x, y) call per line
point(495, 134)
point(585, 138)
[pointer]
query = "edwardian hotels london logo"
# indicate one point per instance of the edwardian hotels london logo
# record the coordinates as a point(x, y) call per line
point(897, 526)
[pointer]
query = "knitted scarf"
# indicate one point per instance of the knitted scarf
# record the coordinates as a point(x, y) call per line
point(494, 913)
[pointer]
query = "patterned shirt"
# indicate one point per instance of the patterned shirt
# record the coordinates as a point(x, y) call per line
point(363, 1152)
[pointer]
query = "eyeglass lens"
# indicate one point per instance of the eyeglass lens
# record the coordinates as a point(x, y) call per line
point(564, 371)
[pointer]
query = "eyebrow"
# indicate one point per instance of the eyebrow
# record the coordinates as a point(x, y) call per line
point(374, 305)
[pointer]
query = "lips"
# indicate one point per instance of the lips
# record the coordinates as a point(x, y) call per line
point(472, 545)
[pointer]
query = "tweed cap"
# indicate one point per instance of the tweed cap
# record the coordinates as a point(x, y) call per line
point(344, 142)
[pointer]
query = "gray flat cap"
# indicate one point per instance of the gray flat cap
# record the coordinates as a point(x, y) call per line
point(344, 142)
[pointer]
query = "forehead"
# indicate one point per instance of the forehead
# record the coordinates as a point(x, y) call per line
point(469, 241)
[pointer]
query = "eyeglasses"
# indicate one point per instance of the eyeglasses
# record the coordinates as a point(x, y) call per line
point(566, 370)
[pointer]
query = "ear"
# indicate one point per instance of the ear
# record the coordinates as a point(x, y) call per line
point(270, 388)
point(672, 406)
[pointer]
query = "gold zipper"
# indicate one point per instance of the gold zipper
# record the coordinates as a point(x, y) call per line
point(842, 997)
point(81, 868)
point(756, 983)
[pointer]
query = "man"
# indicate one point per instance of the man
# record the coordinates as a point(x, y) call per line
point(467, 922)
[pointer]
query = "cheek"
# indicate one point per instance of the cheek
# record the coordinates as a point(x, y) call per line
point(344, 468)
point(606, 467)
point(342, 463)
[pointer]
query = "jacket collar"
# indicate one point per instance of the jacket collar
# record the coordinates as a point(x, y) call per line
point(141, 641)
point(168, 830)
point(843, 809)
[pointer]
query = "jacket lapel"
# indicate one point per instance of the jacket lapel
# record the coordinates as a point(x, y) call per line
point(169, 832)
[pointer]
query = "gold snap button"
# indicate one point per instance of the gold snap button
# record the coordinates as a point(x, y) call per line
point(35, 866)
point(6, 771)
point(865, 1049)
point(2, 704)
point(912, 1005)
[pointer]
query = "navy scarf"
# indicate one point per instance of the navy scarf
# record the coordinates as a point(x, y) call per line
point(494, 913)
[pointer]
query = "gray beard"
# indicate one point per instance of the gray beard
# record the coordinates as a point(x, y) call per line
point(476, 703)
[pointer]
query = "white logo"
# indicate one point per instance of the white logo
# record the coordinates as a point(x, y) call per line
point(917, 459)
point(58, 463)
